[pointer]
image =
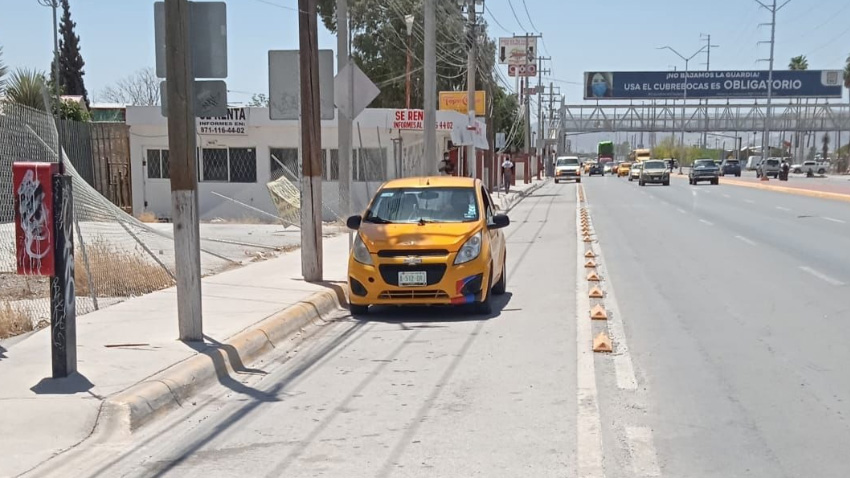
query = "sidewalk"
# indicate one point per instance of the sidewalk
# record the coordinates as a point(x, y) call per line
point(132, 367)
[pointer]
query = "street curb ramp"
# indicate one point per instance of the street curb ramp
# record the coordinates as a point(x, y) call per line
point(128, 410)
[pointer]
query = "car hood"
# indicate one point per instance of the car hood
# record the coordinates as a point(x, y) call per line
point(450, 236)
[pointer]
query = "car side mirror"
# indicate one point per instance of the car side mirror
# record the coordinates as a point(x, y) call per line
point(353, 222)
point(500, 221)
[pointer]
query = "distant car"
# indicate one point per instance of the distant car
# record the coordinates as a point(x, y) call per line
point(654, 171)
point(753, 162)
point(634, 172)
point(814, 166)
point(731, 167)
point(704, 170)
point(567, 168)
point(623, 169)
point(769, 167)
point(596, 168)
point(608, 168)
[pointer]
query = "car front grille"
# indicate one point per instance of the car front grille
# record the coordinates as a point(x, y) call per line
point(412, 294)
point(433, 272)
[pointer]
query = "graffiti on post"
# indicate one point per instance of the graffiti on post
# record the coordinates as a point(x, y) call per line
point(34, 222)
point(62, 297)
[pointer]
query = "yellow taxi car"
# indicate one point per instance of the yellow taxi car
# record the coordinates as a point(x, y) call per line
point(428, 241)
point(623, 169)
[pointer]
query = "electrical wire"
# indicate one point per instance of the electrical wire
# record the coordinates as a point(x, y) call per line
point(493, 17)
point(511, 4)
point(529, 16)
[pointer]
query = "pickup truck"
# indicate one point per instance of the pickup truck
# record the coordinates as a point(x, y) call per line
point(815, 167)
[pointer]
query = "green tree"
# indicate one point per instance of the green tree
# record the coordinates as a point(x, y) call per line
point(811, 155)
point(70, 60)
point(27, 87)
point(3, 71)
point(847, 73)
point(259, 100)
point(799, 63)
point(825, 146)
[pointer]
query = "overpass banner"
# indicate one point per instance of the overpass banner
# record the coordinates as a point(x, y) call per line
point(643, 85)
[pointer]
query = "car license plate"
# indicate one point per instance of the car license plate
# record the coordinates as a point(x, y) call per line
point(410, 278)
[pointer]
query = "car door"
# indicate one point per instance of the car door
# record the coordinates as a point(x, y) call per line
point(497, 238)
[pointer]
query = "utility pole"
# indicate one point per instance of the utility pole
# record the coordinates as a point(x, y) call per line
point(343, 122)
point(472, 39)
point(429, 162)
point(311, 143)
point(708, 47)
point(184, 177)
point(765, 140)
point(540, 139)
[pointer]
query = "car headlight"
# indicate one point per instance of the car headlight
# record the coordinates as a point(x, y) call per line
point(471, 249)
point(361, 253)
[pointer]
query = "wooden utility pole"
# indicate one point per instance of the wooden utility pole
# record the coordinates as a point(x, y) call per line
point(182, 169)
point(311, 143)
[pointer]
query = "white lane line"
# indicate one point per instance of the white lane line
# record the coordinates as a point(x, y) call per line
point(707, 223)
point(831, 219)
point(681, 210)
point(783, 208)
point(744, 239)
point(588, 420)
point(642, 451)
point(749, 201)
point(623, 367)
point(822, 276)
point(727, 196)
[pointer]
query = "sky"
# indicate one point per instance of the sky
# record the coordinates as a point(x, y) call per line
point(116, 36)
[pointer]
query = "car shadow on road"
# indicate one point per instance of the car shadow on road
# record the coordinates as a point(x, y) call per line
point(433, 314)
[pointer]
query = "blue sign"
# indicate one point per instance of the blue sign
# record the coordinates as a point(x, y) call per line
point(634, 85)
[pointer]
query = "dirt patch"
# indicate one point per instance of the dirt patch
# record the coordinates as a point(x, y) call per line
point(20, 287)
point(13, 321)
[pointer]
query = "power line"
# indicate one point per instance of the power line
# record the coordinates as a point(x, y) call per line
point(529, 16)
point(493, 17)
point(511, 4)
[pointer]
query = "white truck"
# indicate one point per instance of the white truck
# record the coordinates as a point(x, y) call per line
point(816, 167)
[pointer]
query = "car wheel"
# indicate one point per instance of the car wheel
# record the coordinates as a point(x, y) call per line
point(715, 182)
point(485, 307)
point(821, 171)
point(578, 180)
point(641, 183)
point(556, 181)
point(666, 183)
point(630, 178)
point(738, 175)
point(358, 309)
point(501, 286)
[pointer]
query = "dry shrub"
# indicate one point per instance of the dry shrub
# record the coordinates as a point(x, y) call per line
point(148, 216)
point(13, 321)
point(118, 273)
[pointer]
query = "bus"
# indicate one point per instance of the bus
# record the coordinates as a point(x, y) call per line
point(638, 155)
point(605, 152)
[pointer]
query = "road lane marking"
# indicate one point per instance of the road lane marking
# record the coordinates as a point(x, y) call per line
point(727, 196)
point(830, 219)
point(681, 210)
point(822, 276)
point(588, 420)
point(707, 223)
point(749, 201)
point(744, 239)
point(642, 451)
point(783, 208)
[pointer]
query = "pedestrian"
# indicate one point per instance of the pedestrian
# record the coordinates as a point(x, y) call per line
point(446, 166)
point(507, 172)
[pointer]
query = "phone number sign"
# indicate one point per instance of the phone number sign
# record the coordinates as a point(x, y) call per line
point(235, 123)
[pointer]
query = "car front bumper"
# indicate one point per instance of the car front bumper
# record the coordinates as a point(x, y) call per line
point(655, 179)
point(447, 284)
point(567, 174)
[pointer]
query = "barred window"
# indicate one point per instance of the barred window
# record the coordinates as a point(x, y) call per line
point(243, 165)
point(284, 161)
point(235, 165)
point(370, 164)
point(157, 163)
point(331, 164)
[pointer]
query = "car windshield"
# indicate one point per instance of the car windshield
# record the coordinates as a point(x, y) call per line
point(655, 165)
point(566, 162)
point(772, 162)
point(412, 205)
point(705, 163)
point(732, 162)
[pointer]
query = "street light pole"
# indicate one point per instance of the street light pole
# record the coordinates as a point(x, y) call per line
point(685, 99)
point(765, 140)
point(408, 21)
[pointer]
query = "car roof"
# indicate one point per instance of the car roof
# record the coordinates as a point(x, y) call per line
point(431, 181)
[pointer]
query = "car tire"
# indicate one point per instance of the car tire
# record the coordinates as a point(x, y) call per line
point(556, 181)
point(578, 181)
point(630, 178)
point(666, 183)
point(738, 175)
point(502, 286)
point(821, 171)
point(485, 307)
point(715, 182)
point(641, 183)
point(358, 309)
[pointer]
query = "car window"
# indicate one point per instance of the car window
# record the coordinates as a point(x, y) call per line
point(488, 208)
point(772, 162)
point(566, 162)
point(434, 204)
point(704, 162)
point(655, 165)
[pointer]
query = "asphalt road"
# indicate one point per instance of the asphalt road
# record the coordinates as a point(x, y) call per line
point(419, 393)
point(735, 308)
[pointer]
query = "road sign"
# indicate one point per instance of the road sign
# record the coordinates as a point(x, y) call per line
point(210, 98)
point(458, 101)
point(517, 50)
point(208, 38)
point(522, 70)
point(285, 84)
point(600, 85)
point(364, 91)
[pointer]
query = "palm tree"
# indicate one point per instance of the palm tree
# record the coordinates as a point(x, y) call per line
point(26, 87)
point(799, 63)
point(847, 74)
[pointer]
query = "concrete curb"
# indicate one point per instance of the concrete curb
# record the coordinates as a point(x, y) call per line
point(130, 409)
point(782, 189)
